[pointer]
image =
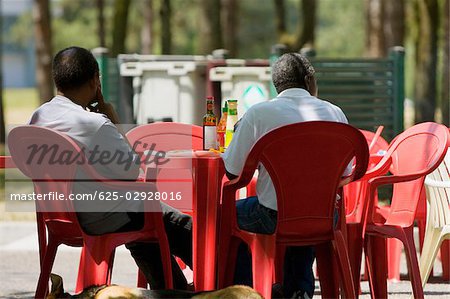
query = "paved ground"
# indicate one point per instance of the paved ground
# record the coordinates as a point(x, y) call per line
point(19, 267)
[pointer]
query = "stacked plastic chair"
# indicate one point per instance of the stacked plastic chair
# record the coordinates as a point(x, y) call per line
point(438, 219)
point(305, 162)
point(417, 151)
point(57, 221)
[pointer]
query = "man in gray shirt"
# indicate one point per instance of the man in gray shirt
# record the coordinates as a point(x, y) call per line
point(79, 111)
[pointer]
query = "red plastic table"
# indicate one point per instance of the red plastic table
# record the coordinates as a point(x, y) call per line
point(207, 175)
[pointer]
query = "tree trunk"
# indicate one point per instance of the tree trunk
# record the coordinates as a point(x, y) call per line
point(120, 24)
point(426, 61)
point(230, 26)
point(101, 22)
point(375, 18)
point(147, 27)
point(166, 29)
point(394, 25)
point(43, 39)
point(280, 18)
point(305, 34)
point(211, 30)
point(307, 28)
point(445, 92)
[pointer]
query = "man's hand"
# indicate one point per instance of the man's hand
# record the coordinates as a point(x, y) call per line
point(105, 108)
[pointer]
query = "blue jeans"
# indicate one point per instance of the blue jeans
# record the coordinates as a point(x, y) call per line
point(298, 274)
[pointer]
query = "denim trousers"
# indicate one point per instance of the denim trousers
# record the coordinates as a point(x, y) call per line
point(297, 271)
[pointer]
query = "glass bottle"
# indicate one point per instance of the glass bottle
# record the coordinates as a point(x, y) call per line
point(209, 126)
point(232, 119)
point(221, 128)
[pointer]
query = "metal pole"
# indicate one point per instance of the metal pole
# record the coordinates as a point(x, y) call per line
point(397, 55)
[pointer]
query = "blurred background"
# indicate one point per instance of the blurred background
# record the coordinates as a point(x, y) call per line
point(34, 30)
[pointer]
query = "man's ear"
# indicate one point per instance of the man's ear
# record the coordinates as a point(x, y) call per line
point(94, 82)
point(311, 85)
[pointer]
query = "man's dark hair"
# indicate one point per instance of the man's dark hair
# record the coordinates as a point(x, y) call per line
point(289, 71)
point(73, 67)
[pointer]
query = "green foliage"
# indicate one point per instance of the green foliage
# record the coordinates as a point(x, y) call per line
point(19, 32)
point(75, 23)
point(340, 28)
point(256, 29)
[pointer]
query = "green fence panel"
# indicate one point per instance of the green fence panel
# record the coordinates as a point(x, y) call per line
point(369, 91)
point(109, 71)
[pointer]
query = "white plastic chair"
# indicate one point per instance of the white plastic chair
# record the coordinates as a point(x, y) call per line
point(438, 216)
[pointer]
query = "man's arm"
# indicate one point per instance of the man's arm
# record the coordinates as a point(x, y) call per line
point(230, 176)
point(106, 108)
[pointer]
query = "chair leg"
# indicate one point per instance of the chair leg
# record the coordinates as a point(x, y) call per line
point(166, 259)
point(103, 272)
point(96, 266)
point(429, 252)
point(345, 271)
point(263, 258)
point(141, 281)
point(110, 266)
point(80, 278)
point(394, 248)
point(355, 246)
point(46, 268)
point(422, 225)
point(413, 265)
point(376, 265)
point(445, 259)
point(328, 284)
point(226, 261)
point(279, 263)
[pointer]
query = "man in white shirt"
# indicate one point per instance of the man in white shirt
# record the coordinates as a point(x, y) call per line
point(293, 77)
point(79, 111)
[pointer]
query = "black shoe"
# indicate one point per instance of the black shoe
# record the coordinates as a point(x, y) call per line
point(277, 291)
point(300, 295)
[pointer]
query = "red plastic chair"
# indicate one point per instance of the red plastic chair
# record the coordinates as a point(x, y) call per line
point(418, 151)
point(354, 195)
point(167, 136)
point(59, 220)
point(354, 192)
point(305, 161)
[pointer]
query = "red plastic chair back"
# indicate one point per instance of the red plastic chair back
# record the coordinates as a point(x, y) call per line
point(168, 136)
point(51, 159)
point(305, 162)
point(48, 175)
point(375, 141)
point(417, 150)
point(355, 191)
point(306, 178)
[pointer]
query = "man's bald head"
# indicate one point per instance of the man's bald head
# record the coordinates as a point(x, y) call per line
point(73, 67)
